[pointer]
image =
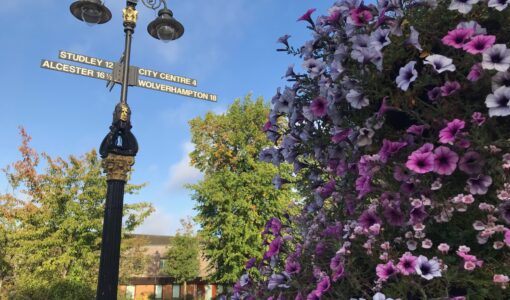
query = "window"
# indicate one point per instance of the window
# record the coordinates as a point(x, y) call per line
point(176, 291)
point(162, 263)
point(158, 292)
point(130, 292)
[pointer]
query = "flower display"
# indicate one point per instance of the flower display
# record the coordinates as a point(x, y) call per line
point(397, 127)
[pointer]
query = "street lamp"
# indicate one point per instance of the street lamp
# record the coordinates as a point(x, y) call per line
point(119, 147)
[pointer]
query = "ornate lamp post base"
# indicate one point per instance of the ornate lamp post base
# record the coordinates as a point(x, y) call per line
point(117, 168)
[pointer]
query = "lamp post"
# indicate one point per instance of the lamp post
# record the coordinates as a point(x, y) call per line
point(119, 147)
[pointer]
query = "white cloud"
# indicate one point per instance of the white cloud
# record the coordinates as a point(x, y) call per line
point(182, 172)
point(159, 223)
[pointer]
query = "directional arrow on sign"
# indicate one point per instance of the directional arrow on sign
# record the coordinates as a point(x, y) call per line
point(116, 75)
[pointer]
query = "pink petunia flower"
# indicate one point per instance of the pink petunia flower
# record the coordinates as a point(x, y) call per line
point(407, 264)
point(360, 16)
point(479, 44)
point(457, 37)
point(307, 16)
point(501, 279)
point(385, 271)
point(420, 163)
point(443, 248)
point(445, 161)
point(448, 134)
point(507, 237)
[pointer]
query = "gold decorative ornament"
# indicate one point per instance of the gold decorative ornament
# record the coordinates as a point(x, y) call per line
point(124, 113)
point(130, 14)
point(117, 167)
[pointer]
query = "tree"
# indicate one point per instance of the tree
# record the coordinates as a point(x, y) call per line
point(133, 260)
point(236, 196)
point(53, 219)
point(182, 259)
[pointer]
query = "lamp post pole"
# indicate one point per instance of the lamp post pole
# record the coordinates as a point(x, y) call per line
point(118, 150)
point(119, 147)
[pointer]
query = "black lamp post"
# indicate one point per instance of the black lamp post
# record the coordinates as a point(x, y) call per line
point(119, 147)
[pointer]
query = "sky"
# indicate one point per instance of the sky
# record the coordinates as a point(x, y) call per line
point(228, 47)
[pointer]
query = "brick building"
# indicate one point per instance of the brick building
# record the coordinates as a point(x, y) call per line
point(153, 285)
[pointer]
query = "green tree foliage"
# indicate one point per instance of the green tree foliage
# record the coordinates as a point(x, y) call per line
point(134, 260)
point(53, 222)
point(182, 259)
point(236, 196)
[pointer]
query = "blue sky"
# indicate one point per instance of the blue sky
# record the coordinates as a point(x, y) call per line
point(228, 46)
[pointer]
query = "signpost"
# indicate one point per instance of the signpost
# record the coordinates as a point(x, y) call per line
point(134, 74)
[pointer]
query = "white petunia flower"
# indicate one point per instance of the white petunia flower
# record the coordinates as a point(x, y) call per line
point(498, 4)
point(407, 74)
point(463, 6)
point(440, 63)
point(496, 58)
point(498, 103)
point(356, 99)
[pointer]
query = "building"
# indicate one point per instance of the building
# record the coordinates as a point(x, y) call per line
point(153, 285)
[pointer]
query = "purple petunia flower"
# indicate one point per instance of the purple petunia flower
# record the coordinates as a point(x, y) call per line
point(368, 218)
point(407, 74)
point(440, 63)
point(277, 280)
point(479, 185)
point(319, 107)
point(499, 102)
point(274, 247)
point(475, 73)
point(418, 214)
point(420, 163)
point(323, 285)
point(292, 267)
point(496, 58)
point(363, 186)
point(471, 163)
point(400, 174)
point(445, 161)
point(504, 211)
point(462, 6)
point(273, 226)
point(434, 93)
point(390, 148)
point(284, 40)
point(394, 216)
point(407, 264)
point(479, 44)
point(448, 134)
point(250, 263)
point(499, 5)
point(449, 88)
point(416, 129)
point(478, 118)
point(457, 37)
point(426, 268)
point(385, 271)
point(314, 67)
